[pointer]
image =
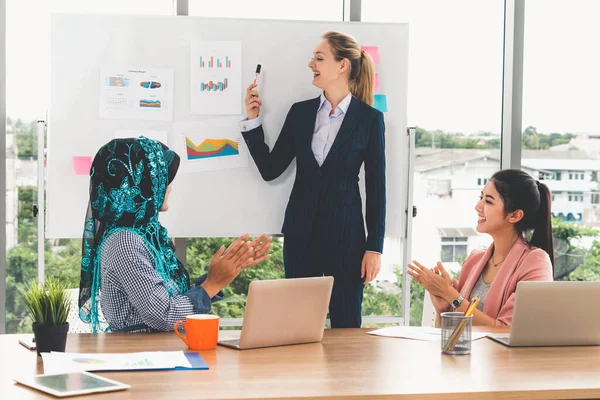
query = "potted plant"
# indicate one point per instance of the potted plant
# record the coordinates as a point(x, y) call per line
point(49, 306)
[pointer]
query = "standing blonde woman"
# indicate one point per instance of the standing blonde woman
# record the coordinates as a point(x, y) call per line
point(331, 137)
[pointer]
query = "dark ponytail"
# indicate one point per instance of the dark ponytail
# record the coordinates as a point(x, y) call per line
point(542, 232)
point(520, 191)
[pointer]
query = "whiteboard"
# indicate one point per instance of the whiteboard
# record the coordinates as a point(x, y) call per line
point(217, 203)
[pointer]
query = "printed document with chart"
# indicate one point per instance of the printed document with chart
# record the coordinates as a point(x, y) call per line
point(136, 93)
point(215, 77)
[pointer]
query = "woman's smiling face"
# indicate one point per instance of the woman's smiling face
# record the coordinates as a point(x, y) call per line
point(490, 211)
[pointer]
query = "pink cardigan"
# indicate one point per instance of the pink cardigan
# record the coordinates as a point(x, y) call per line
point(523, 263)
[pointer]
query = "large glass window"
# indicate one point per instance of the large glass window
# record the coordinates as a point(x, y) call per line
point(27, 65)
point(454, 100)
point(561, 140)
point(310, 10)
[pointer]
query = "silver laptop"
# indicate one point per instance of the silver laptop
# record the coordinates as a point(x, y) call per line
point(554, 314)
point(284, 311)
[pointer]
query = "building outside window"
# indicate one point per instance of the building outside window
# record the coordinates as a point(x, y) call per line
point(454, 249)
point(560, 131)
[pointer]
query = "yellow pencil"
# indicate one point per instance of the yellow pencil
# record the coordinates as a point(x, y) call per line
point(449, 346)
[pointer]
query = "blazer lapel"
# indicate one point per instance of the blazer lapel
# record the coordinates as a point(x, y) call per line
point(474, 275)
point(310, 127)
point(345, 131)
point(497, 290)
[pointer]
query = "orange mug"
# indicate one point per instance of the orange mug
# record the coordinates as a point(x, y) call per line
point(201, 331)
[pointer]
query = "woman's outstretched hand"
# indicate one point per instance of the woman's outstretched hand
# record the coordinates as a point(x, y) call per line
point(227, 263)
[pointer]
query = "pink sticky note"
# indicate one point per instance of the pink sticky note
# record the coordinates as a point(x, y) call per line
point(376, 81)
point(82, 164)
point(373, 52)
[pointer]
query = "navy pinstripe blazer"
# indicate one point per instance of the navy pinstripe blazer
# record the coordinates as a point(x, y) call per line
point(327, 198)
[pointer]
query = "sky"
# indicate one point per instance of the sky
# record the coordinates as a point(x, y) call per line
point(455, 55)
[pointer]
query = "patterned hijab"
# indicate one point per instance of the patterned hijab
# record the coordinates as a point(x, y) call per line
point(128, 184)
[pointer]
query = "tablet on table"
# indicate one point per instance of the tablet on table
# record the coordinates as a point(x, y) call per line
point(71, 384)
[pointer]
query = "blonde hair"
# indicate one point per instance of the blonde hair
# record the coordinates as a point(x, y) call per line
point(362, 68)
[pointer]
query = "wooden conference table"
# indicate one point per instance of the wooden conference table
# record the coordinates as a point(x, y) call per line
point(348, 363)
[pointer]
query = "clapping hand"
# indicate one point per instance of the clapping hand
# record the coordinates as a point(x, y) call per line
point(227, 263)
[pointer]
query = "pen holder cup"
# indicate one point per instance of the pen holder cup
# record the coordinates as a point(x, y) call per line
point(456, 333)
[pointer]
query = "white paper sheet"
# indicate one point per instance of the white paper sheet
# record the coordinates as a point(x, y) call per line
point(136, 93)
point(419, 333)
point(57, 362)
point(215, 77)
point(211, 145)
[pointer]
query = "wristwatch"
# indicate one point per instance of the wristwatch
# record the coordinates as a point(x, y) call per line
point(456, 302)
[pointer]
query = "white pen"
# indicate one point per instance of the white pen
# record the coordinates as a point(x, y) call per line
point(257, 74)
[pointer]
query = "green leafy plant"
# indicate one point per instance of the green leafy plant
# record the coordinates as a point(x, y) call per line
point(48, 303)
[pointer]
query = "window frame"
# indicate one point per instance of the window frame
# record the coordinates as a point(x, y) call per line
point(453, 242)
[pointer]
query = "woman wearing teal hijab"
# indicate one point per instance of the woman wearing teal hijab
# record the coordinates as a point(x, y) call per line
point(128, 266)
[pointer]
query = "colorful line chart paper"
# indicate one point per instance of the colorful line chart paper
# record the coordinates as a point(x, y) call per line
point(211, 148)
point(136, 93)
point(216, 77)
point(211, 145)
point(58, 362)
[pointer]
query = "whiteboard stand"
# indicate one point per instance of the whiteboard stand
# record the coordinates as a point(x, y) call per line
point(41, 212)
point(410, 214)
point(180, 249)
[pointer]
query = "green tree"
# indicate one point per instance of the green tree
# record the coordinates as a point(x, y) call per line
point(26, 224)
point(493, 143)
point(531, 140)
point(569, 253)
point(21, 268)
point(200, 252)
point(26, 137)
point(589, 270)
point(572, 260)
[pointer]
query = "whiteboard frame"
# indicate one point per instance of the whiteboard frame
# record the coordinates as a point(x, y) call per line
point(57, 225)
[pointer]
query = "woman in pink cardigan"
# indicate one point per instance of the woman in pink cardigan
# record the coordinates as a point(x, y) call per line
point(511, 205)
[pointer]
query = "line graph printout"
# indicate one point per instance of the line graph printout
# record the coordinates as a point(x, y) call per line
point(136, 93)
point(215, 77)
point(211, 145)
point(58, 362)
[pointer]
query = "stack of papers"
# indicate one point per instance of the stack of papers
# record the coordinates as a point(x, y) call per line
point(56, 362)
point(419, 333)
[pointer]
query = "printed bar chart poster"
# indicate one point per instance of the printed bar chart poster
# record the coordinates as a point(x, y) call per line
point(211, 145)
point(216, 77)
point(136, 93)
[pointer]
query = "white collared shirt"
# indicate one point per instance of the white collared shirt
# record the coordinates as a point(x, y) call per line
point(326, 126)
